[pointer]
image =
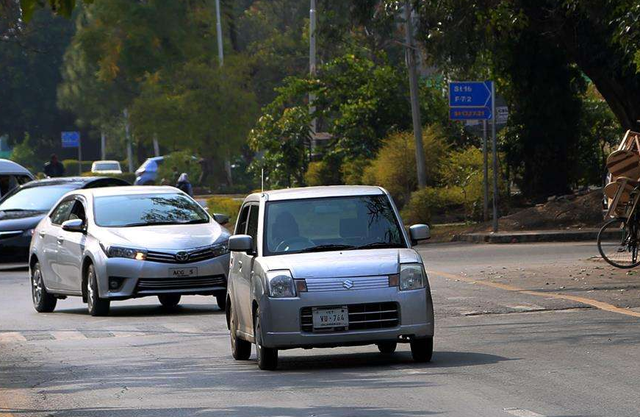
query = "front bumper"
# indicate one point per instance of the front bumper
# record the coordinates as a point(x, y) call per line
point(282, 324)
point(15, 250)
point(146, 278)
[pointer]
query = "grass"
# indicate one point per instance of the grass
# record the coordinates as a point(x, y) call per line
point(225, 205)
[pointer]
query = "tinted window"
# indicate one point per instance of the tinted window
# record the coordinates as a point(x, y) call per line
point(241, 227)
point(346, 223)
point(61, 213)
point(252, 228)
point(35, 198)
point(147, 210)
point(78, 212)
point(107, 166)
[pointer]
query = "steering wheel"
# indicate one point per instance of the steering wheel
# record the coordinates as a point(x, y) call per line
point(284, 245)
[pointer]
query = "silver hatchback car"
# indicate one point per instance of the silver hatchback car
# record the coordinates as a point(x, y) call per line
point(325, 267)
point(108, 244)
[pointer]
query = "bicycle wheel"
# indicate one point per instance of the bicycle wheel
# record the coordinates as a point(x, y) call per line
point(618, 243)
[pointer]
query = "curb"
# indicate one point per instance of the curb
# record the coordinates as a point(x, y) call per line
point(532, 237)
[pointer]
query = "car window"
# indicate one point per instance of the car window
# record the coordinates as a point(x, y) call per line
point(358, 222)
point(62, 212)
point(252, 225)
point(107, 166)
point(147, 210)
point(78, 212)
point(34, 198)
point(241, 227)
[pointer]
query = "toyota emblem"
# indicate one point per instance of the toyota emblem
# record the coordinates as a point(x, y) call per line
point(182, 256)
point(348, 284)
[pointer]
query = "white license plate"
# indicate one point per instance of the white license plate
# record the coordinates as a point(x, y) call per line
point(183, 272)
point(330, 317)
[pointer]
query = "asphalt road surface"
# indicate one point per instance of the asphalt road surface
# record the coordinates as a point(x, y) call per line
point(512, 339)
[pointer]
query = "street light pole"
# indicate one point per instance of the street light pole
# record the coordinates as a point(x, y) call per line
point(312, 61)
point(415, 106)
point(219, 34)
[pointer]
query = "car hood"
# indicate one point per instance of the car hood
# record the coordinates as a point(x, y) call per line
point(20, 220)
point(164, 238)
point(338, 264)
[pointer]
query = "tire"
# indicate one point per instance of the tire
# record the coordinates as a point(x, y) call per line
point(169, 300)
point(422, 349)
point(240, 349)
point(267, 357)
point(387, 347)
point(95, 305)
point(221, 299)
point(43, 302)
point(620, 252)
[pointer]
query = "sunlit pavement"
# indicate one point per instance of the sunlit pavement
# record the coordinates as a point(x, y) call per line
point(497, 352)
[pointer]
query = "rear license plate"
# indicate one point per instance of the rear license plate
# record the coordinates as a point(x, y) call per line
point(183, 272)
point(330, 317)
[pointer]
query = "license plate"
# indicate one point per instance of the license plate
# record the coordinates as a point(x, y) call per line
point(330, 317)
point(183, 272)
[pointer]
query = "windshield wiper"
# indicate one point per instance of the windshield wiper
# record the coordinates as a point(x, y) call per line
point(380, 245)
point(324, 248)
point(147, 224)
point(195, 221)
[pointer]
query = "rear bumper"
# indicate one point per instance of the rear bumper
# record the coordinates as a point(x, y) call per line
point(282, 324)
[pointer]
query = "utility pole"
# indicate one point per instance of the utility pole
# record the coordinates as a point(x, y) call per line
point(227, 161)
point(103, 146)
point(312, 61)
point(413, 86)
point(494, 116)
point(485, 166)
point(127, 135)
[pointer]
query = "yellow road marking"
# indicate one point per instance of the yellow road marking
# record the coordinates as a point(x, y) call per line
point(11, 337)
point(588, 301)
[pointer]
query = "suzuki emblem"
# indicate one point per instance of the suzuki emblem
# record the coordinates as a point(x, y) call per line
point(348, 284)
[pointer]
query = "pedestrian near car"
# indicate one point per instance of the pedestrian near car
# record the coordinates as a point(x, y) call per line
point(184, 184)
point(54, 168)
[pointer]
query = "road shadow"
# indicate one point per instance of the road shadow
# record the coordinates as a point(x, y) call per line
point(149, 310)
point(244, 411)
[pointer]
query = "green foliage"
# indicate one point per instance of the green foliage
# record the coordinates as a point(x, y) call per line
point(61, 7)
point(71, 167)
point(183, 161)
point(353, 171)
point(24, 154)
point(394, 168)
point(463, 172)
point(225, 205)
point(325, 172)
point(428, 201)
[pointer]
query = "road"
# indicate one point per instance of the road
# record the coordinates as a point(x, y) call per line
point(516, 336)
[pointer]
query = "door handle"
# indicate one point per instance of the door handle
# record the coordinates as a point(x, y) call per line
point(240, 265)
point(60, 241)
point(41, 234)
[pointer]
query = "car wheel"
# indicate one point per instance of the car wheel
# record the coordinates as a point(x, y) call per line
point(43, 302)
point(387, 347)
point(169, 300)
point(267, 357)
point(422, 349)
point(97, 306)
point(240, 349)
point(222, 301)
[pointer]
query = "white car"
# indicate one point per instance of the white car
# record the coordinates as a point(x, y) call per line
point(117, 243)
point(106, 167)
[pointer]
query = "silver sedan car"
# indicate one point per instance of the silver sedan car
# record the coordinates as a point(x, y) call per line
point(127, 242)
point(324, 267)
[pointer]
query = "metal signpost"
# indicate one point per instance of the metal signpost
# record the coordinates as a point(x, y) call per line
point(72, 140)
point(474, 100)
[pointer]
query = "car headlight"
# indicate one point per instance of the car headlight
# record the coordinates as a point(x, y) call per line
point(220, 249)
point(280, 284)
point(122, 252)
point(412, 277)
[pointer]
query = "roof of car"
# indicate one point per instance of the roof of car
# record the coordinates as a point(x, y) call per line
point(109, 161)
point(10, 167)
point(319, 192)
point(78, 182)
point(134, 189)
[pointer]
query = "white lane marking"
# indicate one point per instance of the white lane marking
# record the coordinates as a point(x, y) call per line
point(127, 334)
point(12, 337)
point(520, 412)
point(68, 335)
point(181, 328)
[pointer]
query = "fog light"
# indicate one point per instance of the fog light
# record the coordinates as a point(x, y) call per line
point(115, 283)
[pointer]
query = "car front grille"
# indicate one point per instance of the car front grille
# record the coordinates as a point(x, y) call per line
point(347, 284)
point(187, 284)
point(361, 317)
point(195, 255)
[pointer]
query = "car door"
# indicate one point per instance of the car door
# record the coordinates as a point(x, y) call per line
point(71, 249)
point(246, 271)
point(236, 267)
point(49, 235)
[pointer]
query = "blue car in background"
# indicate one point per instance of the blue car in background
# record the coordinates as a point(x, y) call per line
point(147, 174)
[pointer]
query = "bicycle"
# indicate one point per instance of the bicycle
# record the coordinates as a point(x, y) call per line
point(619, 237)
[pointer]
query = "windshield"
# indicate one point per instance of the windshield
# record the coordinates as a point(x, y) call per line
point(107, 166)
point(34, 198)
point(324, 224)
point(147, 210)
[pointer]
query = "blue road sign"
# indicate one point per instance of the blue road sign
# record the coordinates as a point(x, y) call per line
point(470, 100)
point(70, 139)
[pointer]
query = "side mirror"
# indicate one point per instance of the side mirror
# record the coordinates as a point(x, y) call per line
point(221, 219)
point(419, 232)
point(75, 225)
point(241, 243)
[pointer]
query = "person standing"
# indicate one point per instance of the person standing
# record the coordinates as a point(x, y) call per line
point(184, 184)
point(54, 168)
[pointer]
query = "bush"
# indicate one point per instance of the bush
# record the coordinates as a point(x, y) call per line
point(71, 167)
point(225, 205)
point(183, 161)
point(394, 168)
point(353, 171)
point(424, 203)
point(325, 172)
